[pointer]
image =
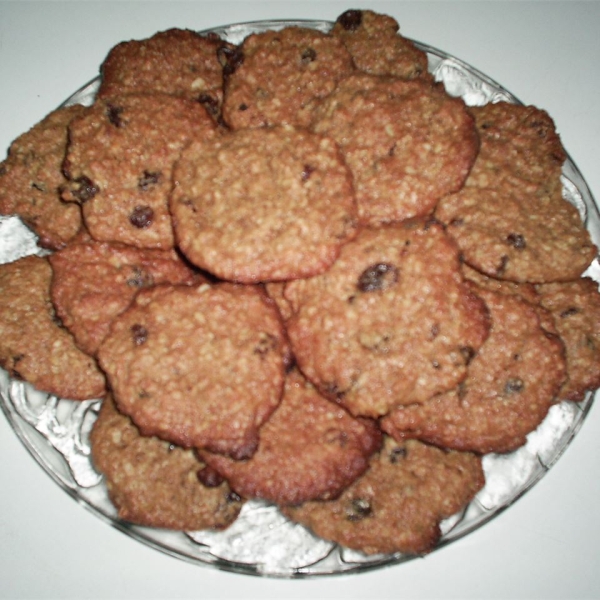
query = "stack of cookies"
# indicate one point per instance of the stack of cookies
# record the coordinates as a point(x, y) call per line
point(296, 269)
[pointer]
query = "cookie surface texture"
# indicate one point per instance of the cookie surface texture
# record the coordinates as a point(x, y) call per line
point(309, 448)
point(407, 143)
point(276, 77)
point(510, 219)
point(177, 61)
point(376, 46)
point(258, 205)
point(392, 321)
point(200, 366)
point(398, 504)
point(31, 178)
point(512, 382)
point(94, 282)
point(154, 483)
point(575, 307)
point(33, 344)
point(119, 163)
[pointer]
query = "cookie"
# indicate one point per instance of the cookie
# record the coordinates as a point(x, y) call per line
point(31, 178)
point(510, 219)
point(309, 449)
point(119, 163)
point(277, 77)
point(575, 307)
point(94, 282)
point(511, 384)
point(199, 366)
point(407, 143)
point(397, 506)
point(391, 323)
point(263, 205)
point(376, 46)
point(176, 61)
point(34, 346)
point(153, 483)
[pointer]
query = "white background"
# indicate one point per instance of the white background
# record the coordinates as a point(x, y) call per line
point(545, 546)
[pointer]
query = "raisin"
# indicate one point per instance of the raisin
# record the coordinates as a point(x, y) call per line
point(147, 179)
point(380, 276)
point(350, 20)
point(230, 59)
point(514, 386)
point(141, 217)
point(114, 115)
point(243, 107)
point(516, 240)
point(139, 334)
point(397, 454)
point(308, 56)
point(307, 171)
point(209, 477)
point(87, 189)
point(359, 509)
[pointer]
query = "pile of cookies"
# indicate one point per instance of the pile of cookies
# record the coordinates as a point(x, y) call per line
point(296, 269)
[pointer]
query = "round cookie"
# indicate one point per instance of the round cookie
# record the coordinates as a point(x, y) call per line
point(119, 162)
point(392, 321)
point(376, 46)
point(200, 366)
point(263, 204)
point(398, 504)
point(277, 77)
point(576, 309)
point(153, 483)
point(309, 449)
point(177, 61)
point(510, 219)
point(511, 384)
point(407, 143)
point(94, 282)
point(34, 346)
point(31, 179)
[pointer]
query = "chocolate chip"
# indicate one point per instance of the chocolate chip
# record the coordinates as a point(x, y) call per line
point(514, 386)
point(139, 334)
point(516, 240)
point(359, 509)
point(148, 179)
point(572, 310)
point(397, 454)
point(87, 189)
point(141, 217)
point(350, 20)
point(243, 107)
point(307, 171)
point(308, 56)
point(209, 477)
point(380, 276)
point(114, 115)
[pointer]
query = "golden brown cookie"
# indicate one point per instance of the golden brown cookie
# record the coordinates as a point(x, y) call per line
point(511, 384)
point(154, 483)
point(391, 323)
point(31, 179)
point(407, 143)
point(263, 204)
point(397, 506)
point(309, 449)
point(277, 77)
point(200, 366)
point(94, 282)
point(34, 345)
point(119, 163)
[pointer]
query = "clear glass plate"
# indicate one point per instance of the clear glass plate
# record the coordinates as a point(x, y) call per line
point(262, 541)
